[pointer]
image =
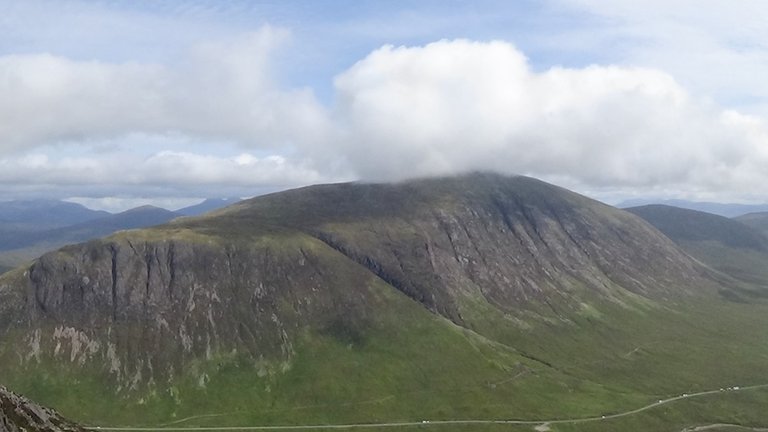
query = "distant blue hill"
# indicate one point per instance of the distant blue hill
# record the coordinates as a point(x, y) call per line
point(727, 210)
point(19, 244)
point(31, 228)
point(139, 217)
point(46, 213)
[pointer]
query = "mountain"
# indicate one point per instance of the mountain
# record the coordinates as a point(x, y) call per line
point(683, 225)
point(209, 204)
point(21, 218)
point(135, 218)
point(18, 414)
point(138, 217)
point(45, 213)
point(728, 245)
point(721, 209)
point(758, 220)
point(24, 218)
point(459, 298)
point(20, 247)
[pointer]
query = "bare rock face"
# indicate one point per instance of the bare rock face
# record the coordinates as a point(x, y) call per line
point(18, 414)
point(138, 309)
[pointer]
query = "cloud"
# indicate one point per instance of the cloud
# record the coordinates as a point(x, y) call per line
point(163, 174)
point(712, 48)
point(455, 106)
point(220, 91)
point(446, 107)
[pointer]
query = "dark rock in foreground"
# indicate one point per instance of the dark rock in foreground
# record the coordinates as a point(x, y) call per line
point(20, 414)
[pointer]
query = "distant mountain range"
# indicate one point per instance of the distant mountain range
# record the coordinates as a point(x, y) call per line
point(30, 228)
point(40, 214)
point(727, 210)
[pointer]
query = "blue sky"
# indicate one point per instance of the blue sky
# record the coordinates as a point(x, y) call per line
point(116, 103)
point(325, 36)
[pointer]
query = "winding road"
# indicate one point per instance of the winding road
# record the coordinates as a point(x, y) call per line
point(443, 422)
point(724, 426)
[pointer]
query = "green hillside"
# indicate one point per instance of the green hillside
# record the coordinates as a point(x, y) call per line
point(758, 220)
point(737, 249)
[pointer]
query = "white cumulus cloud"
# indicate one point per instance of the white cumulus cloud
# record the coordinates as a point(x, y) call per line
point(446, 107)
point(163, 174)
point(221, 90)
point(455, 106)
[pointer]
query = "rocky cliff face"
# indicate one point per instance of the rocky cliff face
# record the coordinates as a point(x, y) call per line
point(18, 414)
point(141, 308)
point(140, 305)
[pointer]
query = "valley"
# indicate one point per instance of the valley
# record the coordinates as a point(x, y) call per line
point(540, 425)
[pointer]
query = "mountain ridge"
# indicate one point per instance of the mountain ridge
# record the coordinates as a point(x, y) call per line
point(681, 224)
point(729, 210)
point(51, 213)
point(729, 245)
point(758, 220)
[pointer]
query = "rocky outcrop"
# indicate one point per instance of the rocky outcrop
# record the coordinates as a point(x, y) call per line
point(18, 414)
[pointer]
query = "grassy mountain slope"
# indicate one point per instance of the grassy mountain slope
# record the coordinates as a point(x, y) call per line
point(720, 209)
point(691, 225)
point(758, 220)
point(739, 250)
point(475, 297)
